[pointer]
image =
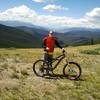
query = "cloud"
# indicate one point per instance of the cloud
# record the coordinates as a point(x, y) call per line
point(43, 1)
point(94, 12)
point(93, 17)
point(52, 7)
point(23, 13)
point(39, 1)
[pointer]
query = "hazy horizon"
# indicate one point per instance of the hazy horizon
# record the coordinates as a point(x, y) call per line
point(52, 13)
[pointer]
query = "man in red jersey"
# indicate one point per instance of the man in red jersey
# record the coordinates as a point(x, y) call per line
point(49, 42)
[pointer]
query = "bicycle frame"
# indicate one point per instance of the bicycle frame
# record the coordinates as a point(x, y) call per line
point(59, 59)
point(41, 67)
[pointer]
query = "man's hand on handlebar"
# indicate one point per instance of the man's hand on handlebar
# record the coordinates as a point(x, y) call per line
point(63, 50)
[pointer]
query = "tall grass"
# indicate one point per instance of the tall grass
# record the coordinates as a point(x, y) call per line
point(18, 82)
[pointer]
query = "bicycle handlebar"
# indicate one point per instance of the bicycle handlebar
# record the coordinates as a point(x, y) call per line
point(63, 51)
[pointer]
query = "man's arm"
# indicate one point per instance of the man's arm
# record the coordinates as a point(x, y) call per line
point(44, 43)
point(57, 44)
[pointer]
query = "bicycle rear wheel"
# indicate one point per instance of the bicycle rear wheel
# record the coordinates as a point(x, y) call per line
point(39, 67)
point(72, 70)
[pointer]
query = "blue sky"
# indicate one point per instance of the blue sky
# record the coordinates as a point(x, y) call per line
point(76, 9)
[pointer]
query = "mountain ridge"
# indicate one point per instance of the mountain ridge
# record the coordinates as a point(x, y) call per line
point(28, 37)
point(13, 37)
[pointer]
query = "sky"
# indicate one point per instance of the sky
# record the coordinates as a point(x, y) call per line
point(52, 13)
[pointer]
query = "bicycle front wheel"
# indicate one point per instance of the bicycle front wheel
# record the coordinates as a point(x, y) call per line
point(72, 70)
point(39, 67)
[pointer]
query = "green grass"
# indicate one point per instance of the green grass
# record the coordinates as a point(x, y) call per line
point(18, 82)
point(92, 52)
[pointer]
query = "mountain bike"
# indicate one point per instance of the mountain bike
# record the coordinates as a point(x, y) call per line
point(71, 70)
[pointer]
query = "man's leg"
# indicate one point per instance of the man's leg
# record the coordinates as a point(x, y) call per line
point(46, 58)
point(50, 57)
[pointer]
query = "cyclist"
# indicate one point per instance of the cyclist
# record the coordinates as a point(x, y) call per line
point(49, 42)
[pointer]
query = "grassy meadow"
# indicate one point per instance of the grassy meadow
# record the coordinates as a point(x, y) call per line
point(18, 82)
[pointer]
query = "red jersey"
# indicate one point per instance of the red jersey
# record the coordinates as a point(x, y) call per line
point(50, 43)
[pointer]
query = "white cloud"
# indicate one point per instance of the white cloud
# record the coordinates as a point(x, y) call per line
point(23, 13)
point(43, 1)
point(52, 7)
point(93, 17)
point(40, 1)
point(94, 12)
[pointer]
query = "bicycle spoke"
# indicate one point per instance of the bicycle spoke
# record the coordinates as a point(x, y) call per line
point(39, 67)
point(72, 70)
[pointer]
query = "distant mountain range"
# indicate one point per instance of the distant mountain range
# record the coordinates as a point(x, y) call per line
point(16, 23)
point(19, 38)
point(80, 37)
point(25, 35)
